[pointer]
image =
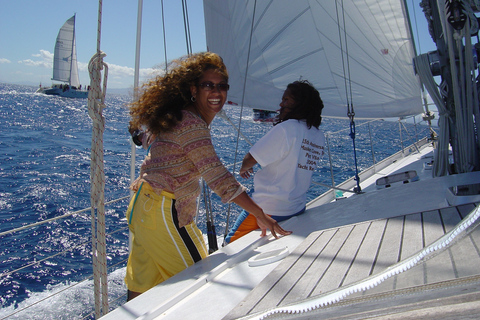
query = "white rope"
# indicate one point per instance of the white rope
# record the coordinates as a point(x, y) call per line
point(373, 281)
point(96, 99)
point(96, 104)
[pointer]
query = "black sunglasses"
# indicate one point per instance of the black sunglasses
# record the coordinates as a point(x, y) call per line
point(209, 86)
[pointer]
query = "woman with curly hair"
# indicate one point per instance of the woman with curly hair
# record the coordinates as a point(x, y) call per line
point(176, 110)
point(288, 154)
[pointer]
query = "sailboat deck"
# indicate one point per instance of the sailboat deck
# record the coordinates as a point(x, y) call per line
point(329, 259)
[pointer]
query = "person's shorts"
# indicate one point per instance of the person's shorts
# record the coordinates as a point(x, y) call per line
point(159, 248)
point(247, 222)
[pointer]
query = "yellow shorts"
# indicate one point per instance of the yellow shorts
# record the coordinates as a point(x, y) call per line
point(160, 249)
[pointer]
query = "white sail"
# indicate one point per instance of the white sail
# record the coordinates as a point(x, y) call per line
point(65, 55)
point(74, 79)
point(303, 39)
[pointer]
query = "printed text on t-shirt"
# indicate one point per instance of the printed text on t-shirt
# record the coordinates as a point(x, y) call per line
point(311, 155)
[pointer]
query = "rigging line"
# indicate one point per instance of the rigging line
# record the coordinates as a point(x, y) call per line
point(44, 299)
point(348, 89)
point(241, 108)
point(122, 296)
point(361, 124)
point(224, 116)
point(408, 134)
point(341, 51)
point(348, 61)
point(187, 27)
point(59, 292)
point(416, 26)
point(118, 263)
point(332, 187)
point(423, 88)
point(44, 259)
point(56, 254)
point(55, 218)
point(211, 233)
point(164, 37)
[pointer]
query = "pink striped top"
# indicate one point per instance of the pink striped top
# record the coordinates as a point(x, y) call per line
point(178, 159)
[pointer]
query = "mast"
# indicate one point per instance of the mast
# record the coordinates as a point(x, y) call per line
point(452, 24)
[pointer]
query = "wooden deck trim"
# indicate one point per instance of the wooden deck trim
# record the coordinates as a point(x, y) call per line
point(331, 258)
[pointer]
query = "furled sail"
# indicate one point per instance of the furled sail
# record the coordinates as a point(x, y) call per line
point(65, 55)
point(310, 40)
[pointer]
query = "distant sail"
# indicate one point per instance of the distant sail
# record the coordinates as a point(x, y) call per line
point(303, 39)
point(65, 55)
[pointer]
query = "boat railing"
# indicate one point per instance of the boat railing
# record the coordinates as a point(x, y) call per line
point(347, 185)
point(72, 285)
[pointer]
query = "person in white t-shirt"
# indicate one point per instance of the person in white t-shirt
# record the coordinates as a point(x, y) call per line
point(288, 155)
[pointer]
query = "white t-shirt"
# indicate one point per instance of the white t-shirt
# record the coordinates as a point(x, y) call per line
point(288, 155)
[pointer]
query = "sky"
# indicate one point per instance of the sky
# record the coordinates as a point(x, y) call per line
point(28, 30)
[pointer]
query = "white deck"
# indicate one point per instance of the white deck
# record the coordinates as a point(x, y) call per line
point(338, 257)
point(212, 288)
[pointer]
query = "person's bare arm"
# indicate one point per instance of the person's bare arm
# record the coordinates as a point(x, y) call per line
point(247, 166)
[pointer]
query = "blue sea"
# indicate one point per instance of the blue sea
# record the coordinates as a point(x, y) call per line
point(45, 173)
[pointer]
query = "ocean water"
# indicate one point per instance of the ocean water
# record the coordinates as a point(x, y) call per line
point(45, 172)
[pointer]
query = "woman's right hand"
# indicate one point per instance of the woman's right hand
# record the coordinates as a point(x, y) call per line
point(266, 222)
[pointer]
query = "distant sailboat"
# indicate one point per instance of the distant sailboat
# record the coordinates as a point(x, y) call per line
point(65, 65)
point(260, 115)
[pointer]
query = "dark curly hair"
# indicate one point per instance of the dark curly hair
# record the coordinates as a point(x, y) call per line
point(163, 98)
point(308, 104)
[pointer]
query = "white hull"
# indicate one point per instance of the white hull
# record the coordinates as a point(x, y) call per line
point(64, 92)
point(264, 115)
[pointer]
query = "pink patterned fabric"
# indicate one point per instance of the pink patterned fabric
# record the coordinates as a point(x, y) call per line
point(178, 159)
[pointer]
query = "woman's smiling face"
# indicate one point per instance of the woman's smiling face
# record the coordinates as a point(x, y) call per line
point(209, 97)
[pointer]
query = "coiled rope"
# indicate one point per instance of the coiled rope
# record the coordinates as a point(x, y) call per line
point(96, 104)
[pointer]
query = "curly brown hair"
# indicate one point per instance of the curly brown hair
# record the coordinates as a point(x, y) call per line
point(163, 98)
